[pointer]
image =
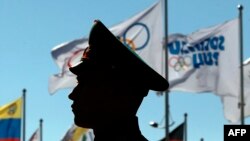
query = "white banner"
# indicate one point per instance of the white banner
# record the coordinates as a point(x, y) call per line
point(143, 33)
point(206, 60)
point(232, 109)
point(64, 55)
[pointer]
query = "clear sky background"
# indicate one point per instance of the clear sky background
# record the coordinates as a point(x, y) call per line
point(29, 29)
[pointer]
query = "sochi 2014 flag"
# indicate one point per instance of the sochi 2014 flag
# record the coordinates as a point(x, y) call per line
point(232, 109)
point(143, 33)
point(10, 121)
point(206, 60)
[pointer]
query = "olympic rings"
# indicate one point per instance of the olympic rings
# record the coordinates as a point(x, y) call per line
point(180, 62)
point(128, 42)
point(69, 61)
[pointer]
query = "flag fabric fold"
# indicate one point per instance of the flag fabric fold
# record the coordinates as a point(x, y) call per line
point(142, 32)
point(64, 55)
point(206, 60)
point(231, 106)
point(36, 135)
point(10, 121)
point(76, 133)
point(88, 136)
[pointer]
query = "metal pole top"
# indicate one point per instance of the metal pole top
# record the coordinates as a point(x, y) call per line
point(240, 6)
point(185, 115)
point(24, 90)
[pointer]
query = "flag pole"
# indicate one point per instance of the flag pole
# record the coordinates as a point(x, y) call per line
point(185, 129)
point(242, 103)
point(24, 112)
point(41, 129)
point(166, 69)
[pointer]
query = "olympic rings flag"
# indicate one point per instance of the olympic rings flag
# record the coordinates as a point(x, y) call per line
point(206, 60)
point(142, 32)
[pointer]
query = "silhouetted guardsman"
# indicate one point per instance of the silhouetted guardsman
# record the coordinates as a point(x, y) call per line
point(112, 82)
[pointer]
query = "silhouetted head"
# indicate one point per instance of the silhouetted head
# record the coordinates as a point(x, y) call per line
point(112, 80)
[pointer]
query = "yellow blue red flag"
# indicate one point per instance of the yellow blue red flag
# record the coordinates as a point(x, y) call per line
point(10, 121)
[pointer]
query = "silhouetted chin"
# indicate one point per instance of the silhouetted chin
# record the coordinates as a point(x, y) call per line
point(83, 123)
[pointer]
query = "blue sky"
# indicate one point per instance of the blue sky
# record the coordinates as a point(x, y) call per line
point(30, 29)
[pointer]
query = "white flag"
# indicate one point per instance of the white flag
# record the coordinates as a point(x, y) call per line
point(64, 55)
point(231, 105)
point(143, 33)
point(35, 136)
point(206, 60)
